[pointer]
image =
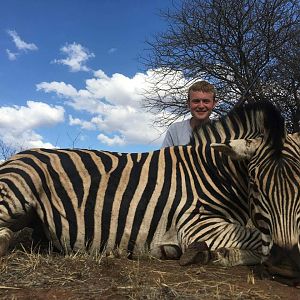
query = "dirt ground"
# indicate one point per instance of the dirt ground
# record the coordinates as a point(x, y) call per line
point(31, 274)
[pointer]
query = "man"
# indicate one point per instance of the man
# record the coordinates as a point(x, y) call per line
point(201, 101)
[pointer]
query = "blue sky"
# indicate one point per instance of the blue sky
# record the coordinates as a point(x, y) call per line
point(70, 74)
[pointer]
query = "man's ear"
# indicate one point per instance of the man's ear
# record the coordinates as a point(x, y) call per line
point(215, 103)
point(188, 104)
point(238, 149)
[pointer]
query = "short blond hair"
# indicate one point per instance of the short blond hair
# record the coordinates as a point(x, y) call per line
point(202, 86)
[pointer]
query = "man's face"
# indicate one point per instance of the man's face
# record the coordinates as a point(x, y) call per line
point(201, 105)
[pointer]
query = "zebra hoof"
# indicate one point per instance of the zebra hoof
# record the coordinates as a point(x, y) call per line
point(196, 253)
point(6, 236)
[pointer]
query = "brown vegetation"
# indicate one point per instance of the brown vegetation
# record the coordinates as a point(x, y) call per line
point(30, 274)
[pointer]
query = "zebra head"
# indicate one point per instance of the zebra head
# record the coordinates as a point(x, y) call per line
point(274, 196)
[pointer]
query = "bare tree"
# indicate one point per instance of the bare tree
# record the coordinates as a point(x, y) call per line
point(287, 84)
point(233, 44)
point(74, 139)
point(6, 151)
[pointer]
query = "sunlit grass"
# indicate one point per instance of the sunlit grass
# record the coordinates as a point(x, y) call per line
point(82, 275)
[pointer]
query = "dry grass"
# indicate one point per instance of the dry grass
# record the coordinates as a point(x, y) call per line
point(31, 274)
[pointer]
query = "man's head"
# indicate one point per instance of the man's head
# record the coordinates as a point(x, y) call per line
point(201, 101)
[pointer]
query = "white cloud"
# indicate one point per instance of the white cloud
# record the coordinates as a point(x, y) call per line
point(118, 89)
point(76, 59)
point(20, 44)
point(114, 104)
point(35, 114)
point(62, 89)
point(114, 141)
point(83, 124)
point(11, 55)
point(112, 50)
point(17, 123)
point(101, 92)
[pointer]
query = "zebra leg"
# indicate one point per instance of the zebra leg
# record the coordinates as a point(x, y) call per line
point(247, 249)
point(6, 236)
point(228, 257)
point(10, 224)
point(196, 253)
point(168, 247)
point(199, 253)
point(166, 251)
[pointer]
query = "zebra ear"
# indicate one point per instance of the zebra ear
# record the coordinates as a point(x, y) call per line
point(238, 149)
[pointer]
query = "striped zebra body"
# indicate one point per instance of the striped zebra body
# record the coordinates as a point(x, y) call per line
point(101, 200)
point(165, 202)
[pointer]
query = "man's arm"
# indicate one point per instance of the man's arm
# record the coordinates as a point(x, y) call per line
point(168, 141)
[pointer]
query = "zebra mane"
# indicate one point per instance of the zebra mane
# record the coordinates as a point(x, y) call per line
point(244, 122)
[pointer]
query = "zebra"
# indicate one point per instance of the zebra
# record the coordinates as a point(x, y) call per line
point(184, 202)
point(274, 195)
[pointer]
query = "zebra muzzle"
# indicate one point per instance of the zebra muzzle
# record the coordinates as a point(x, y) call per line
point(283, 265)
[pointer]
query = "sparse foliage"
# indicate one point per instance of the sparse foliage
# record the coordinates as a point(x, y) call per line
point(247, 48)
point(6, 151)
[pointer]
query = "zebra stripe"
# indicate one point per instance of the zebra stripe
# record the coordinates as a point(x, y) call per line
point(159, 201)
point(274, 195)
